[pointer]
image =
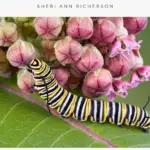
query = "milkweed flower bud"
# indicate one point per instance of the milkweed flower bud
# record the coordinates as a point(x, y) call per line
point(97, 83)
point(20, 53)
point(91, 59)
point(104, 32)
point(25, 81)
point(48, 27)
point(135, 24)
point(48, 50)
point(118, 66)
point(8, 34)
point(140, 75)
point(118, 21)
point(119, 87)
point(121, 32)
point(80, 27)
point(61, 75)
point(68, 50)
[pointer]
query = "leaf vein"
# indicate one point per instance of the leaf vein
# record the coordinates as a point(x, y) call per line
point(124, 135)
point(32, 131)
point(141, 145)
point(92, 144)
point(58, 138)
point(18, 103)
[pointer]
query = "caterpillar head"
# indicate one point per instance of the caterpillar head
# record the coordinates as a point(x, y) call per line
point(35, 66)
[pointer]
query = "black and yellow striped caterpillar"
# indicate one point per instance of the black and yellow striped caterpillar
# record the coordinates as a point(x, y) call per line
point(80, 108)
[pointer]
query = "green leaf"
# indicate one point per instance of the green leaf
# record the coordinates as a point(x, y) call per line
point(24, 124)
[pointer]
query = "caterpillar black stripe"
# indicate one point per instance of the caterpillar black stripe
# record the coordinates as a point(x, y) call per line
point(80, 108)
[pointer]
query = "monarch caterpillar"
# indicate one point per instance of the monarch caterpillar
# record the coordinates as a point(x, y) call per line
point(81, 108)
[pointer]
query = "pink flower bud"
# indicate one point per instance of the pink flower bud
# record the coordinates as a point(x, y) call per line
point(119, 88)
point(121, 32)
point(48, 27)
point(25, 81)
point(80, 28)
point(118, 21)
point(91, 59)
point(48, 50)
point(86, 92)
point(97, 83)
point(140, 75)
point(61, 75)
point(135, 24)
point(8, 34)
point(104, 32)
point(68, 50)
point(118, 66)
point(20, 53)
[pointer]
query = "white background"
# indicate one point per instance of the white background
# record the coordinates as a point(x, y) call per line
point(29, 8)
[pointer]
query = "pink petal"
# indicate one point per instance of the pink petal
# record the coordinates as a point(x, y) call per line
point(135, 80)
point(123, 94)
point(116, 49)
point(122, 84)
point(131, 44)
point(144, 72)
point(112, 95)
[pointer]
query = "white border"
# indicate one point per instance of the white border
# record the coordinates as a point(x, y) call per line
point(29, 8)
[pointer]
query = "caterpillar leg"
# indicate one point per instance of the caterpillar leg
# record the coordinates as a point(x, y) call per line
point(63, 116)
point(145, 130)
point(121, 126)
point(48, 109)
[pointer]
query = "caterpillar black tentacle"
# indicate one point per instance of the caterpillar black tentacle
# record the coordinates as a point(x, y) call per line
point(81, 108)
point(147, 103)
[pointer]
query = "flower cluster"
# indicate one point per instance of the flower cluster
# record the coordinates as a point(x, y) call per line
point(93, 54)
